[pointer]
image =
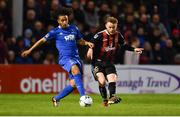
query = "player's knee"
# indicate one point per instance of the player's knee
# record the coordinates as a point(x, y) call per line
point(75, 70)
point(112, 78)
point(72, 83)
point(101, 79)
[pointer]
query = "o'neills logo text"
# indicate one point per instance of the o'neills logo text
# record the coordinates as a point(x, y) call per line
point(45, 85)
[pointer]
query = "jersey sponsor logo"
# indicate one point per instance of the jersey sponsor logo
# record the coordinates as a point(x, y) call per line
point(109, 48)
point(69, 37)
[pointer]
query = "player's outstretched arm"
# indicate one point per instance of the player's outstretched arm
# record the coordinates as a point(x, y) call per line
point(138, 50)
point(38, 43)
point(84, 42)
point(130, 48)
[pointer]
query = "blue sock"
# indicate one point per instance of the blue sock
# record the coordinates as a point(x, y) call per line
point(67, 90)
point(79, 84)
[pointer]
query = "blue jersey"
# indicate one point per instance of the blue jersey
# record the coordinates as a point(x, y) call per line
point(66, 39)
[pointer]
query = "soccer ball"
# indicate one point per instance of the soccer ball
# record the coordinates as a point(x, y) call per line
point(85, 101)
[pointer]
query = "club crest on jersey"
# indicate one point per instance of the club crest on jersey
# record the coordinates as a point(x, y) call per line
point(95, 36)
point(69, 37)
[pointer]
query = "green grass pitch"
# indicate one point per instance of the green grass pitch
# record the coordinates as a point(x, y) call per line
point(132, 104)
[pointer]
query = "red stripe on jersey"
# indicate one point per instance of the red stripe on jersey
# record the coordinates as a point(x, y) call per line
point(116, 42)
point(109, 55)
point(104, 44)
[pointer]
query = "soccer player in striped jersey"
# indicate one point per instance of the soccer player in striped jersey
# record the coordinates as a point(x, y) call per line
point(107, 43)
point(66, 37)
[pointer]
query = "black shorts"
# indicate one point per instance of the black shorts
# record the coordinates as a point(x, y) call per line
point(105, 68)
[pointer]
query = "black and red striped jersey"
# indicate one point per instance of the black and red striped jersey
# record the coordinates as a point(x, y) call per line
point(107, 46)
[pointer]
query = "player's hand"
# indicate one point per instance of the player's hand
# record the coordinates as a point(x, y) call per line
point(90, 53)
point(91, 45)
point(139, 50)
point(25, 53)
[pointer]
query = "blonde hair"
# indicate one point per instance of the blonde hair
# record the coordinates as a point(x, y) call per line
point(111, 19)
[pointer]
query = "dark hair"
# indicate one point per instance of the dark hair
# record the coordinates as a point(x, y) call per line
point(64, 11)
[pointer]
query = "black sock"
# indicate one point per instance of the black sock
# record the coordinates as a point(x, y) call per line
point(112, 89)
point(103, 92)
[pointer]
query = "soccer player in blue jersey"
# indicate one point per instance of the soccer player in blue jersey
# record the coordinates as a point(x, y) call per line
point(66, 36)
